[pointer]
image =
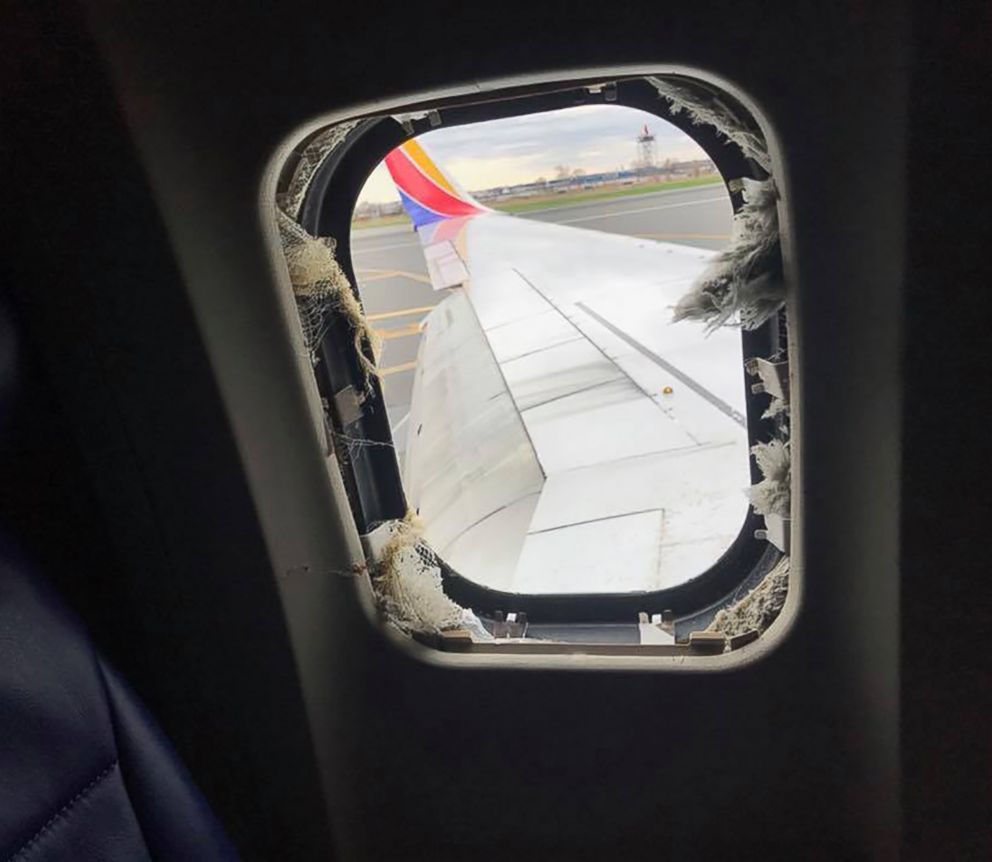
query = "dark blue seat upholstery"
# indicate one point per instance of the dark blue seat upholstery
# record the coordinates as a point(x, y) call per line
point(85, 775)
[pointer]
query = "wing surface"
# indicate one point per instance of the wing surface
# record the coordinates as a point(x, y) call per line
point(565, 437)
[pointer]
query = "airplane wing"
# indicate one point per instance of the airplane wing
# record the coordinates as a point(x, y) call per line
point(564, 437)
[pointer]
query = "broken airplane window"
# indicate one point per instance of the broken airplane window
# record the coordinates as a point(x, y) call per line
point(556, 432)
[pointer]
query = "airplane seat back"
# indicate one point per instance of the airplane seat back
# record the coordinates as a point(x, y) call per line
point(85, 774)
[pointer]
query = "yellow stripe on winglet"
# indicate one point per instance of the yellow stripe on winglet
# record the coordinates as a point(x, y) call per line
point(423, 161)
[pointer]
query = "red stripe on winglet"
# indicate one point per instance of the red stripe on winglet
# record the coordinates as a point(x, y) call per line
point(423, 190)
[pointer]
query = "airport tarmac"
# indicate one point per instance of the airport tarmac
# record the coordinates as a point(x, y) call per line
point(397, 294)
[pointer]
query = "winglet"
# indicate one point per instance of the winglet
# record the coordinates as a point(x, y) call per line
point(428, 193)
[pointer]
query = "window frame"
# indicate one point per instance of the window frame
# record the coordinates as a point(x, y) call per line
point(371, 472)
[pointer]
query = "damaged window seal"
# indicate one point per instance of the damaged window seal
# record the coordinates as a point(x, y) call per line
point(745, 285)
point(321, 288)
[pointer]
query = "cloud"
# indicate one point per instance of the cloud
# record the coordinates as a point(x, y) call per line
point(519, 149)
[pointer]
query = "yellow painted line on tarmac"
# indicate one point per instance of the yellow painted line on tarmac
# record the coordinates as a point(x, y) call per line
point(399, 331)
point(396, 369)
point(403, 312)
point(683, 235)
point(415, 276)
point(375, 274)
point(378, 274)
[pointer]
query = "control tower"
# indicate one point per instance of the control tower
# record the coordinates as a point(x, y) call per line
point(646, 156)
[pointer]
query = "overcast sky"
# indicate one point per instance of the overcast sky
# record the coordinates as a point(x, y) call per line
point(519, 149)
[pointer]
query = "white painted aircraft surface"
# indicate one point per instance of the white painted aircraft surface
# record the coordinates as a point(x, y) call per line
point(564, 435)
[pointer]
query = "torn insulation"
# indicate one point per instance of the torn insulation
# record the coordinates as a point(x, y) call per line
point(708, 110)
point(772, 495)
point(407, 583)
point(777, 407)
point(773, 385)
point(310, 159)
point(745, 283)
point(759, 608)
point(353, 445)
point(320, 287)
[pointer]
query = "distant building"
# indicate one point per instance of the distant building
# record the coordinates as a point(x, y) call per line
point(670, 170)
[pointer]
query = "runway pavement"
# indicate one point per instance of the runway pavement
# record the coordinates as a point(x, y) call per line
point(397, 294)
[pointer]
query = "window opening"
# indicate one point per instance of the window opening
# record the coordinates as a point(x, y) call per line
point(557, 433)
point(515, 289)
